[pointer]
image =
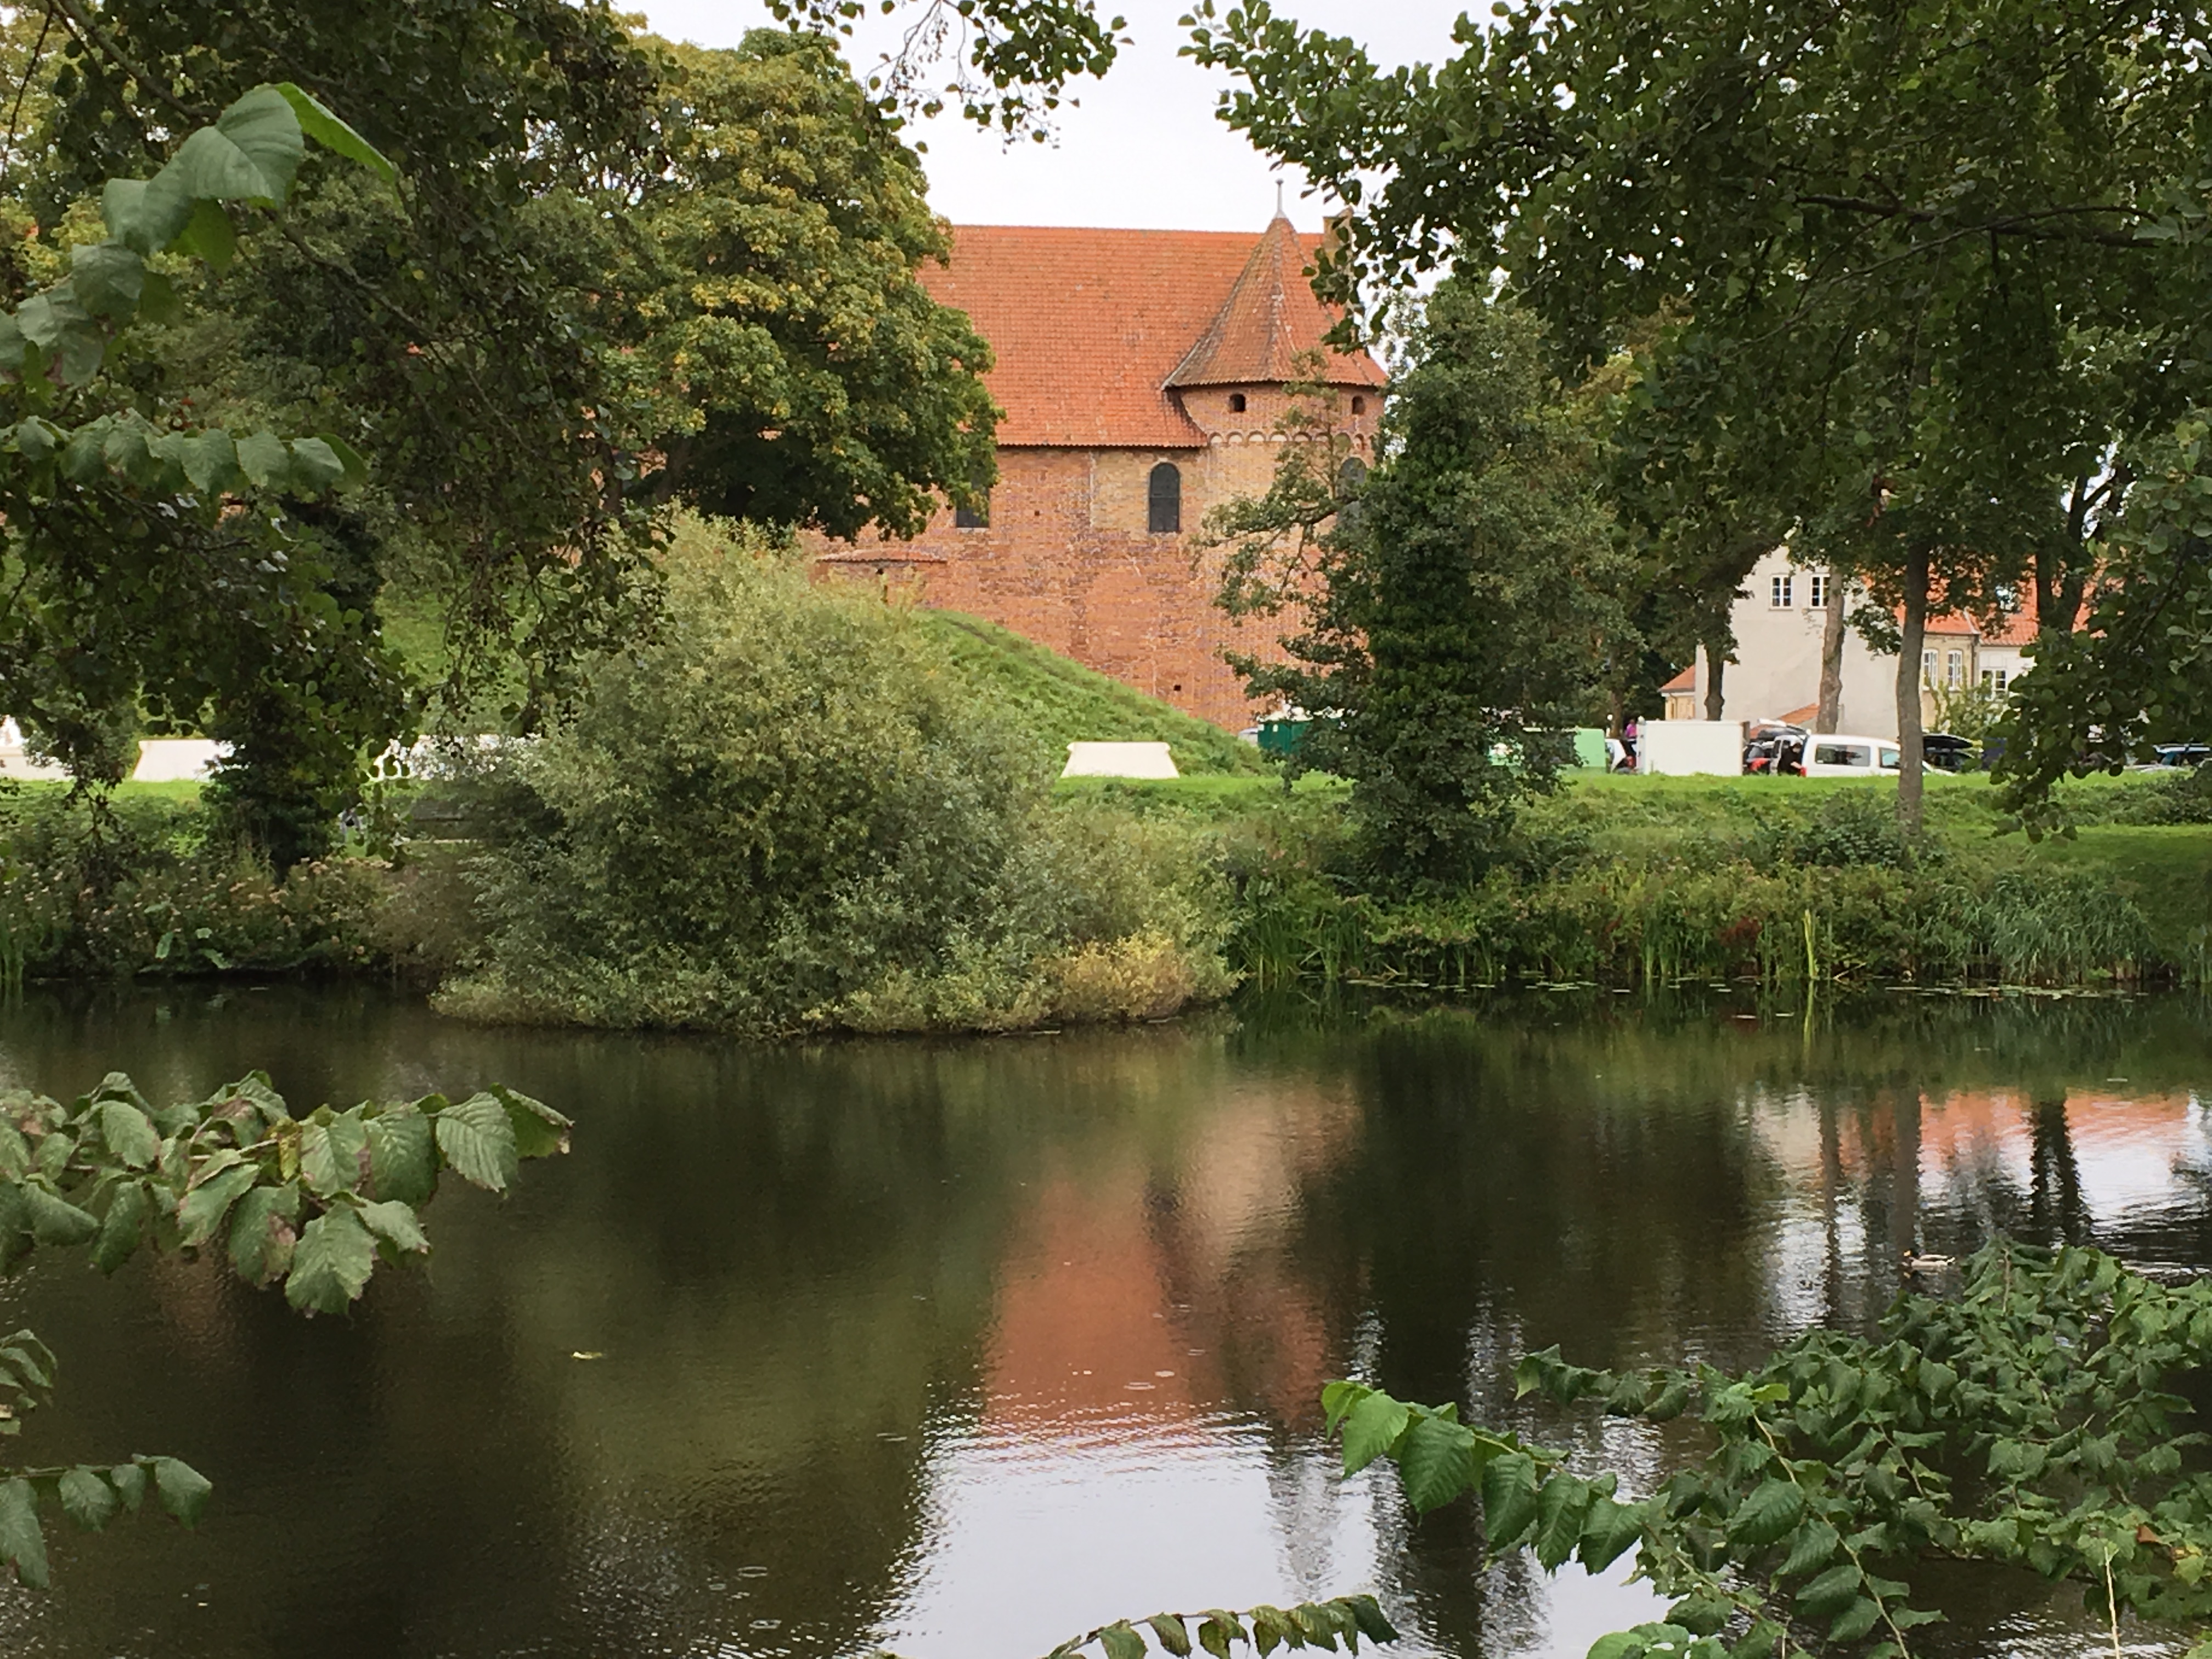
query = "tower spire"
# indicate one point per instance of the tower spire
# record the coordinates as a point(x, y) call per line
point(1278, 198)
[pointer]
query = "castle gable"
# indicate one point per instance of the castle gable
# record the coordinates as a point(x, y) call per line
point(1094, 330)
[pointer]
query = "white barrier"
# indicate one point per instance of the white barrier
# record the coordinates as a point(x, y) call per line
point(1690, 747)
point(1119, 760)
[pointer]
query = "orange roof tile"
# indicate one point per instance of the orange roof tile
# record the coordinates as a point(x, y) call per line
point(1685, 681)
point(1090, 327)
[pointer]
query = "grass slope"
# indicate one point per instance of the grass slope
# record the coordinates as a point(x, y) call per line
point(1062, 701)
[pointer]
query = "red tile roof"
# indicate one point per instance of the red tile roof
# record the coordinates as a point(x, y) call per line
point(1685, 681)
point(1092, 327)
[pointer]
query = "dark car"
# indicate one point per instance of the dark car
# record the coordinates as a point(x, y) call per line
point(1946, 753)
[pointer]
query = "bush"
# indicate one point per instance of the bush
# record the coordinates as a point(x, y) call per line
point(786, 812)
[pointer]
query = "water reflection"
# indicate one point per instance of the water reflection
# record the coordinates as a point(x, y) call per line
point(965, 1348)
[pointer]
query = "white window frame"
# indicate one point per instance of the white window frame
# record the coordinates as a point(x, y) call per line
point(1779, 591)
point(1816, 597)
point(1954, 669)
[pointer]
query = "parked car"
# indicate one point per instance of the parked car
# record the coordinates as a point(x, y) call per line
point(1773, 748)
point(1946, 753)
point(1836, 755)
point(2189, 755)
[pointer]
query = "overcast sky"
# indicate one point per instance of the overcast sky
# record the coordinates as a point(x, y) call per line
point(1144, 151)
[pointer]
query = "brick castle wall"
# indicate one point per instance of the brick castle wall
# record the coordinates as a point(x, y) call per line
point(1067, 560)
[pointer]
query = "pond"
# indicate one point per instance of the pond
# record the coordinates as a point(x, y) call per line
point(959, 1349)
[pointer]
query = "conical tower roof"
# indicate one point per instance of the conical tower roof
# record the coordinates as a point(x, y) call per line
point(1269, 321)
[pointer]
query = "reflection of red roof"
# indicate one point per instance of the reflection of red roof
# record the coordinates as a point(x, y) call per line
point(1685, 681)
point(1091, 327)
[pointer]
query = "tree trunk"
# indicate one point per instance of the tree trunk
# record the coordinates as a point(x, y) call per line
point(1908, 692)
point(1716, 660)
point(1831, 713)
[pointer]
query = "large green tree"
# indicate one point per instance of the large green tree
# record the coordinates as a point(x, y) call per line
point(607, 275)
point(1948, 249)
point(1454, 604)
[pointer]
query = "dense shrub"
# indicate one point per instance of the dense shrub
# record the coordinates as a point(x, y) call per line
point(786, 812)
point(143, 890)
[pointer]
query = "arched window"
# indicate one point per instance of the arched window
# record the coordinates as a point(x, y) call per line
point(1359, 405)
point(1165, 518)
point(1236, 403)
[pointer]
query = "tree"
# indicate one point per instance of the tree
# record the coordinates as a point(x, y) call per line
point(608, 275)
point(1456, 601)
point(1951, 248)
point(788, 366)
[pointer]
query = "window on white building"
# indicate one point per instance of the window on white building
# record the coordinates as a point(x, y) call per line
point(1954, 669)
point(1818, 582)
point(1928, 666)
point(1994, 679)
point(1781, 590)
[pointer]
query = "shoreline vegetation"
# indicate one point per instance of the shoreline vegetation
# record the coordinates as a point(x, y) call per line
point(1622, 883)
point(792, 808)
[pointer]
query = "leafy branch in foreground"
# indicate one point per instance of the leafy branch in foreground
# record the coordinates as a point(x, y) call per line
point(316, 1202)
point(1311, 1623)
point(2027, 1423)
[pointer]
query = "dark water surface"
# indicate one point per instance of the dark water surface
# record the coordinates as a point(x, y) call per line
point(963, 1348)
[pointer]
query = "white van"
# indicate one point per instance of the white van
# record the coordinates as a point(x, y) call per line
point(1832, 755)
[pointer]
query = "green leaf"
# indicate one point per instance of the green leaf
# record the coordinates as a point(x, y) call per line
point(1856, 1620)
point(107, 279)
point(353, 470)
point(59, 326)
point(129, 1132)
point(87, 1499)
point(206, 1205)
point(1609, 1528)
point(207, 458)
point(1121, 1642)
point(264, 459)
point(403, 1155)
point(317, 122)
point(262, 1235)
point(1436, 1458)
point(1766, 1515)
point(315, 466)
point(159, 303)
point(249, 155)
point(395, 1223)
point(22, 1542)
point(146, 215)
point(1830, 1593)
point(1173, 1634)
point(540, 1130)
point(128, 1480)
point(124, 1227)
point(1561, 1507)
point(1815, 1543)
point(54, 1220)
point(478, 1140)
point(1220, 1628)
point(1508, 1499)
point(208, 235)
point(183, 1490)
point(1621, 1645)
point(1372, 1429)
point(331, 1263)
point(1367, 1613)
point(331, 1153)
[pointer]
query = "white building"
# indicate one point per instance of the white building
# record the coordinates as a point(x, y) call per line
point(1779, 616)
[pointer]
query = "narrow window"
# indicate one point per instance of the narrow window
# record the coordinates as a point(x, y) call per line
point(1955, 668)
point(1236, 403)
point(977, 517)
point(1359, 405)
point(1818, 599)
point(1782, 587)
point(1928, 666)
point(2000, 681)
point(1165, 517)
